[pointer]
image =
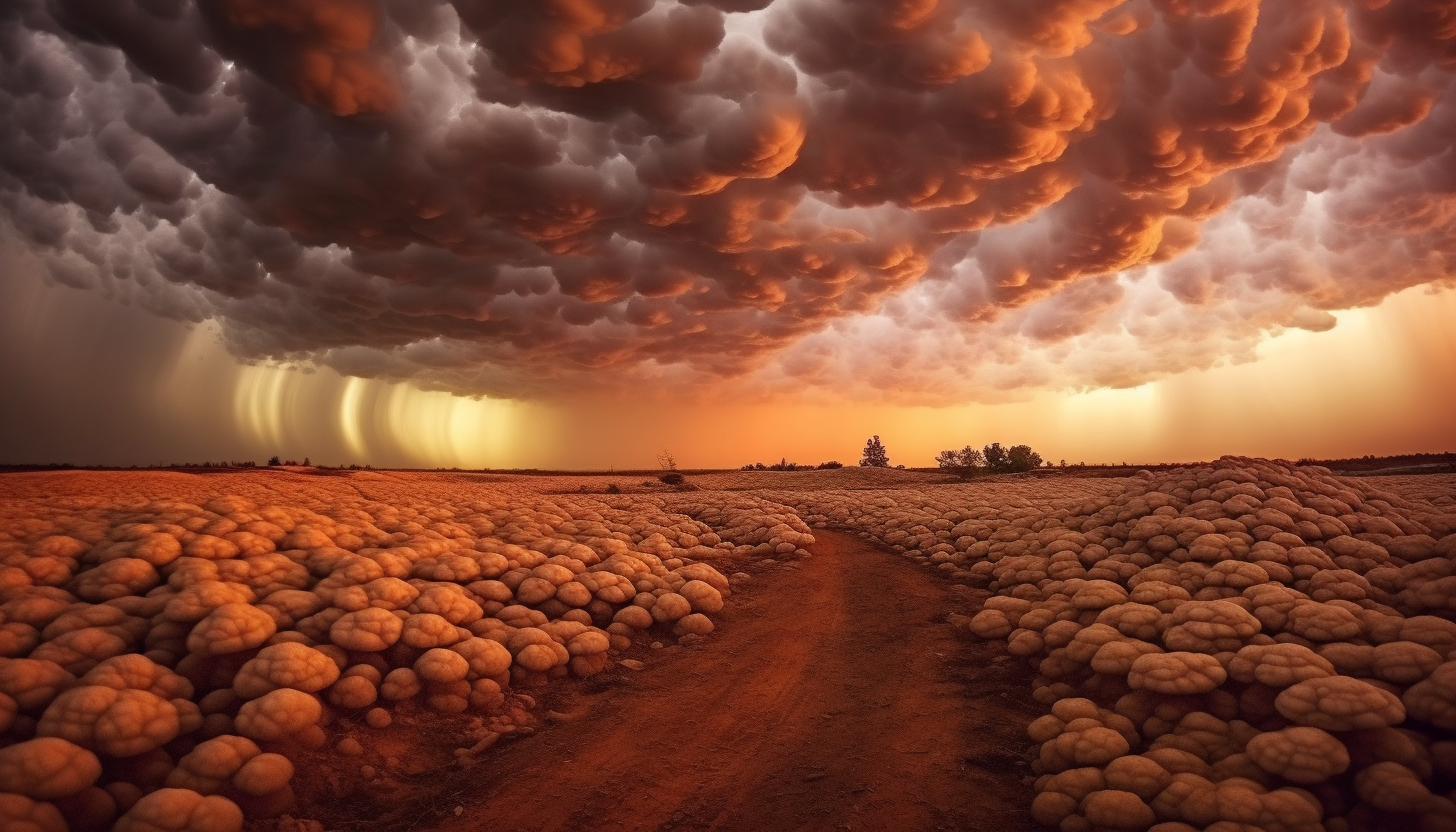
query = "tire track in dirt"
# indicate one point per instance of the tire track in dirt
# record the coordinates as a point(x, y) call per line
point(832, 697)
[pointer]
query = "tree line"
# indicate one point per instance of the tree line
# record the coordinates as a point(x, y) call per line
point(966, 462)
point(993, 459)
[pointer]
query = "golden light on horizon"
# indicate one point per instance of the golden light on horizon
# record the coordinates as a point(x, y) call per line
point(1378, 382)
point(1373, 383)
point(448, 431)
point(377, 422)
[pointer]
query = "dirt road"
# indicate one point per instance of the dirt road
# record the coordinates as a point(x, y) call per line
point(830, 698)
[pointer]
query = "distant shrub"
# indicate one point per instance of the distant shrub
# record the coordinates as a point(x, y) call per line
point(830, 464)
point(672, 478)
point(273, 460)
point(613, 488)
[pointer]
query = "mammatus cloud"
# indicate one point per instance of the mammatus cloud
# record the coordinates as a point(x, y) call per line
point(902, 199)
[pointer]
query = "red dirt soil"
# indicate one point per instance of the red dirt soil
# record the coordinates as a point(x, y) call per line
point(832, 697)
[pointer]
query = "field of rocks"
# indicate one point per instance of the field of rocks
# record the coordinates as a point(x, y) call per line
point(1247, 645)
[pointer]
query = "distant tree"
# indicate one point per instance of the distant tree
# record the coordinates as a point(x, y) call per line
point(875, 455)
point(306, 462)
point(998, 459)
point(995, 457)
point(830, 464)
point(1022, 458)
point(273, 460)
point(963, 463)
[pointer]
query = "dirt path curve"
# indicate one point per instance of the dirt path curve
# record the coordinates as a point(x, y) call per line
point(830, 698)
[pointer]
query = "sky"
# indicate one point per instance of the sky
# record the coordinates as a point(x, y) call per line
point(574, 233)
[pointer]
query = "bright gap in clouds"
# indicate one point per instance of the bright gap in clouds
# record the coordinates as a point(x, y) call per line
point(1376, 383)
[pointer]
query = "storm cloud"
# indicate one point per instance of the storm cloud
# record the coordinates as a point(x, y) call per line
point(901, 200)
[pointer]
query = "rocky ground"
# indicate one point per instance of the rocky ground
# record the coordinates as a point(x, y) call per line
point(1244, 645)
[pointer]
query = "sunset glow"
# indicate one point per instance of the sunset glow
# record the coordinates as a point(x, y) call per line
point(1289, 399)
point(572, 415)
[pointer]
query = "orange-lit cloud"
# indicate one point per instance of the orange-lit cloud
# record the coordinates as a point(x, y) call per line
point(1378, 382)
point(871, 201)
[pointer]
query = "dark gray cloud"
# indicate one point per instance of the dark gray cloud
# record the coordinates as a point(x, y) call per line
point(544, 199)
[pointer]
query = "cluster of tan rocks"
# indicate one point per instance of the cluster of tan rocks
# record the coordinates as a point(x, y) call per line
point(163, 661)
point(1244, 646)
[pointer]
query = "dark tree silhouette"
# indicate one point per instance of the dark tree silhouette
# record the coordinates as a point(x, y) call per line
point(963, 463)
point(1022, 458)
point(1012, 460)
point(875, 455)
point(995, 457)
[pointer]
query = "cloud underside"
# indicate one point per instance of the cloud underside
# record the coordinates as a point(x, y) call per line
point(912, 200)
